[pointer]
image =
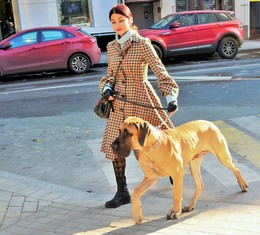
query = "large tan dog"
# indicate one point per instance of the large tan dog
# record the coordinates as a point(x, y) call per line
point(165, 153)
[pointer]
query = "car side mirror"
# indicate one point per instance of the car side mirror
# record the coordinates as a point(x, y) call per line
point(174, 25)
point(6, 45)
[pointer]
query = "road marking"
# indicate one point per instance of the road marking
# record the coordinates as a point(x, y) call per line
point(238, 141)
point(218, 68)
point(194, 78)
point(225, 176)
point(134, 173)
point(49, 88)
point(241, 143)
point(251, 123)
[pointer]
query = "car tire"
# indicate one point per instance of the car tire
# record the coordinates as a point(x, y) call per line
point(158, 51)
point(79, 63)
point(227, 48)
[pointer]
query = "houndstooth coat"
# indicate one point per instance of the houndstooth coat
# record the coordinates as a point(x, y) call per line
point(132, 84)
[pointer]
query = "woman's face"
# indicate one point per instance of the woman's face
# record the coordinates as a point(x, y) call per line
point(121, 24)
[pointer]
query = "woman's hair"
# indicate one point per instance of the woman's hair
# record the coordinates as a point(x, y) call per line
point(122, 10)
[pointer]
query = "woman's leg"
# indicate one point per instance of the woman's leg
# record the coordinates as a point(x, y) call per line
point(122, 195)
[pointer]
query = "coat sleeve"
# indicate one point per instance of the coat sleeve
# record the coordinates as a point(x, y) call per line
point(166, 83)
point(105, 79)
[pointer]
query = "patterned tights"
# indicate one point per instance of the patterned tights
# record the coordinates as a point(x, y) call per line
point(119, 167)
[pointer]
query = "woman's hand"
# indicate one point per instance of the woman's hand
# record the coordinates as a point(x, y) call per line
point(172, 107)
point(108, 94)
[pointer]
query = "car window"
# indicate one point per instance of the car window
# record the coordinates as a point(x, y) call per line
point(51, 35)
point(207, 18)
point(226, 17)
point(163, 22)
point(24, 39)
point(186, 20)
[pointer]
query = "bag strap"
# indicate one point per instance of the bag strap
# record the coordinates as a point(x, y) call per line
point(120, 62)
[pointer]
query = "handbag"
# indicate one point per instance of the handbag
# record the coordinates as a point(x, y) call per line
point(103, 107)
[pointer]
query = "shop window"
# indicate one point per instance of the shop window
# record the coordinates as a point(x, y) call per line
point(183, 5)
point(228, 5)
point(74, 12)
point(209, 5)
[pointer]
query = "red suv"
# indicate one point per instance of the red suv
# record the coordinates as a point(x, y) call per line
point(196, 32)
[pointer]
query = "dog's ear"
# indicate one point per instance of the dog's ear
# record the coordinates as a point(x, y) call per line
point(144, 130)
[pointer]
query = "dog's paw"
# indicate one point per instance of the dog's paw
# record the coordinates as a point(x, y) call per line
point(187, 209)
point(138, 219)
point(244, 186)
point(137, 214)
point(172, 216)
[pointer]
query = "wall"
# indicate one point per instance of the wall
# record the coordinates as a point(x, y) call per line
point(168, 7)
point(37, 13)
point(242, 13)
point(100, 10)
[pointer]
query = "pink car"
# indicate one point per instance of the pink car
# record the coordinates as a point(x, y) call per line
point(196, 32)
point(49, 49)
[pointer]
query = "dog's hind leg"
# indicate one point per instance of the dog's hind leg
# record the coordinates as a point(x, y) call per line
point(221, 151)
point(196, 175)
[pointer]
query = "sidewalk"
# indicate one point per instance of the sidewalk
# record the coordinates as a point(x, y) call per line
point(29, 206)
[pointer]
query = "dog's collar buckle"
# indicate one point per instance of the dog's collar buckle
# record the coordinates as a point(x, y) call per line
point(155, 145)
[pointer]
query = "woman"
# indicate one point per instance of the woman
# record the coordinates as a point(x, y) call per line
point(132, 84)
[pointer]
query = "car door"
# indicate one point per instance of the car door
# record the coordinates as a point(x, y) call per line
point(23, 55)
point(181, 39)
point(208, 30)
point(55, 48)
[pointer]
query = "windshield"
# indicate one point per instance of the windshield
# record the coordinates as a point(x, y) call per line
point(163, 22)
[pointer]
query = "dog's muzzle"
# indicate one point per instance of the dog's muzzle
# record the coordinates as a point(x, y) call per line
point(115, 145)
point(120, 149)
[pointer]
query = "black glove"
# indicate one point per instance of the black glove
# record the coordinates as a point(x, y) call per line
point(107, 93)
point(172, 106)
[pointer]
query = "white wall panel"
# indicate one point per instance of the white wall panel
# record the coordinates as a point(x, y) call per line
point(37, 13)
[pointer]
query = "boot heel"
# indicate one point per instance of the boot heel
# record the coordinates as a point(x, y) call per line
point(127, 200)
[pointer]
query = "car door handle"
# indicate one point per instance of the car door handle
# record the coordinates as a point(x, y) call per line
point(218, 25)
point(65, 42)
point(33, 49)
point(193, 29)
point(164, 33)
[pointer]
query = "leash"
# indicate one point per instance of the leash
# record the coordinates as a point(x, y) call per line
point(163, 122)
point(140, 104)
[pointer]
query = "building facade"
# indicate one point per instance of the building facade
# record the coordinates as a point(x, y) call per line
point(16, 15)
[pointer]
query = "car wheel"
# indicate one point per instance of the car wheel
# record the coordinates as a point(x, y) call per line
point(158, 51)
point(79, 63)
point(228, 48)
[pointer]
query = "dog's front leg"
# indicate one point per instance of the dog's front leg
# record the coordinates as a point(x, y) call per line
point(177, 194)
point(136, 197)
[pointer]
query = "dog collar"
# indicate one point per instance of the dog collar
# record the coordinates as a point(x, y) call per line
point(155, 145)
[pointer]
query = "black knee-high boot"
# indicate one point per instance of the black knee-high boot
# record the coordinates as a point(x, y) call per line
point(122, 195)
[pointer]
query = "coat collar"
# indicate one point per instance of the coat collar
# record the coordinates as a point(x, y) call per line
point(133, 39)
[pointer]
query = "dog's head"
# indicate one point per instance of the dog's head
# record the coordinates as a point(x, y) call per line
point(132, 135)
